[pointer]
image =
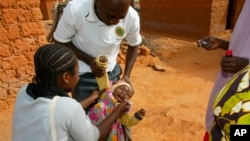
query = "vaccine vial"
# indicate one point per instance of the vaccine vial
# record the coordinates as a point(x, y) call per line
point(203, 43)
point(229, 53)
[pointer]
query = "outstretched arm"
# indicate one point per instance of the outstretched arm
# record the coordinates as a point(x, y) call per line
point(108, 121)
point(130, 121)
point(211, 42)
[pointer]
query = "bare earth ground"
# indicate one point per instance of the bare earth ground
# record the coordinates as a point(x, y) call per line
point(175, 99)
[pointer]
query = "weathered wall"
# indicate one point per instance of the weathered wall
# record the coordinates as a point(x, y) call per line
point(21, 33)
point(185, 18)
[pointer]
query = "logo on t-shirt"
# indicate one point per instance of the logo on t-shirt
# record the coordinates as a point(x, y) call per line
point(119, 31)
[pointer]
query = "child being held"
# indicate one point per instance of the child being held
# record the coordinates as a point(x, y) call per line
point(107, 102)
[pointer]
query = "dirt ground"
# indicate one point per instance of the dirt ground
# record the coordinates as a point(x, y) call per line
point(175, 99)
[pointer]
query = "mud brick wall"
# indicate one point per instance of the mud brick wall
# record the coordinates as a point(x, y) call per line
point(185, 18)
point(219, 11)
point(21, 33)
point(47, 9)
point(236, 6)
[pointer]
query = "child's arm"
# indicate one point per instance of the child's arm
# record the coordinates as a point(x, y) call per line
point(130, 121)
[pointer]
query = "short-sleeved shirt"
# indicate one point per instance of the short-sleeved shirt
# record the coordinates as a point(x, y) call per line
point(80, 25)
point(31, 120)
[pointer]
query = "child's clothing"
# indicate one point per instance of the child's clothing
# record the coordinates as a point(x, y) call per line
point(102, 82)
point(106, 104)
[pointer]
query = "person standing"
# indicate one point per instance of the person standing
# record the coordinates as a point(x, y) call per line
point(239, 44)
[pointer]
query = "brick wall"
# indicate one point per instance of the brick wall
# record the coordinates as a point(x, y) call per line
point(21, 33)
point(186, 18)
point(219, 11)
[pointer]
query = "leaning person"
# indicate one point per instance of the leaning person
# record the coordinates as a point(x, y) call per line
point(94, 27)
point(43, 109)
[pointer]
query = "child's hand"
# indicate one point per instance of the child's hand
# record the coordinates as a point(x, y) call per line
point(142, 112)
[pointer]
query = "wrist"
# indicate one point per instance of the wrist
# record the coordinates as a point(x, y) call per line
point(223, 44)
point(138, 116)
point(125, 77)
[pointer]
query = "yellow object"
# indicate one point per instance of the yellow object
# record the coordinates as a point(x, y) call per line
point(102, 82)
point(128, 120)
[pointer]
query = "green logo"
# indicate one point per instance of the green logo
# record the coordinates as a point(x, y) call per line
point(119, 31)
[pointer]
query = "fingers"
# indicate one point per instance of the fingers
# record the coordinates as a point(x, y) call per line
point(208, 43)
point(99, 72)
point(142, 112)
point(233, 64)
point(129, 102)
point(204, 43)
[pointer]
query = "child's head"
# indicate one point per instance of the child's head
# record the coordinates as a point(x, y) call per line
point(56, 66)
point(121, 90)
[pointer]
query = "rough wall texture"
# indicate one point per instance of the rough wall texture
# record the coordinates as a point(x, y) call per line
point(21, 33)
point(186, 18)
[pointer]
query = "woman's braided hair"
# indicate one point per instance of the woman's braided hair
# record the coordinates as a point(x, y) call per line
point(52, 60)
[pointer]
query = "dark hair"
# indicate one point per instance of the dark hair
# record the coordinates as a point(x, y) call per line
point(51, 60)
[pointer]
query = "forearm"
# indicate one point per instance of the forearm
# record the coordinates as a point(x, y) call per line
point(107, 123)
point(80, 54)
point(224, 44)
point(131, 56)
point(87, 101)
point(129, 121)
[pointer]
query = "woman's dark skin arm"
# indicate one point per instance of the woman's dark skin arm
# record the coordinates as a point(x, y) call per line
point(233, 64)
point(216, 43)
point(91, 99)
point(108, 121)
point(228, 64)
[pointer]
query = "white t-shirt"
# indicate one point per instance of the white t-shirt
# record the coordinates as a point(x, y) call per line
point(80, 25)
point(31, 120)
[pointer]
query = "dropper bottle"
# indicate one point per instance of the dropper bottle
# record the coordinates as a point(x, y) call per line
point(229, 53)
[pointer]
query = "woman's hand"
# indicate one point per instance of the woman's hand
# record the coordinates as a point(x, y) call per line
point(123, 107)
point(95, 94)
point(233, 64)
point(209, 43)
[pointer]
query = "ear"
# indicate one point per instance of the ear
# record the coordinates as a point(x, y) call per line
point(66, 77)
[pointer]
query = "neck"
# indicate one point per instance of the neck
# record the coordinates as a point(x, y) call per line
point(95, 9)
